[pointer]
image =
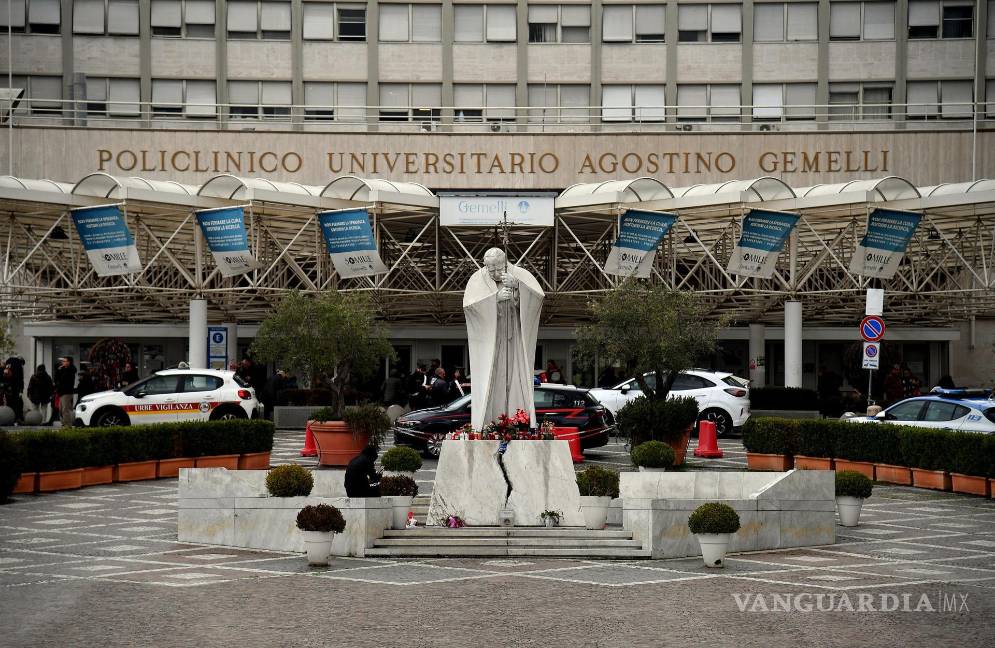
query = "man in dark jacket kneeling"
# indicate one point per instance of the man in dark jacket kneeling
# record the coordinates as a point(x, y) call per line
point(361, 478)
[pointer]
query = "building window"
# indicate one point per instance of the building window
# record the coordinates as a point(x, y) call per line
point(32, 17)
point(945, 99)
point(186, 18)
point(42, 94)
point(112, 97)
point(420, 102)
point(633, 23)
point(711, 102)
point(259, 100)
point(856, 20)
point(559, 24)
point(401, 23)
point(110, 17)
point(855, 101)
point(351, 23)
point(784, 101)
point(774, 23)
point(990, 97)
point(716, 23)
point(477, 23)
point(344, 102)
point(175, 97)
point(935, 19)
point(559, 103)
point(258, 20)
point(626, 103)
point(489, 102)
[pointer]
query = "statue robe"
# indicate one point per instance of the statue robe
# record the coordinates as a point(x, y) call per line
point(502, 338)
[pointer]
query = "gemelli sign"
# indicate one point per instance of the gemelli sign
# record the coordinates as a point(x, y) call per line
point(487, 211)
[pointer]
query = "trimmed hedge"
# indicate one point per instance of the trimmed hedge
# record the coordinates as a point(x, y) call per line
point(784, 398)
point(649, 419)
point(653, 454)
point(714, 517)
point(598, 482)
point(974, 455)
point(768, 435)
point(815, 439)
point(10, 466)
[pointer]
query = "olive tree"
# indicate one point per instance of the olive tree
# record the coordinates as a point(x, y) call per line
point(6, 336)
point(333, 334)
point(650, 329)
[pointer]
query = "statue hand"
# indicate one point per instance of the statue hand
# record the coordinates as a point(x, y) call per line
point(509, 280)
point(505, 294)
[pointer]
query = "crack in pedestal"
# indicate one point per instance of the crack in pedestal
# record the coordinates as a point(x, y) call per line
point(504, 472)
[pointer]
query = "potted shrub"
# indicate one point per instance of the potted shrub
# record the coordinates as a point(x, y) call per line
point(653, 456)
point(11, 459)
point(338, 441)
point(134, 454)
point(854, 446)
point(400, 489)
point(56, 455)
point(401, 460)
point(167, 443)
point(550, 519)
point(669, 421)
point(598, 486)
point(101, 453)
point(815, 446)
point(257, 444)
point(927, 453)
point(852, 488)
point(884, 449)
point(712, 524)
point(972, 461)
point(289, 481)
point(213, 444)
point(319, 523)
point(770, 443)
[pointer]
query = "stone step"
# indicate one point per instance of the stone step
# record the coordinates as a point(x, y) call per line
point(538, 543)
point(454, 535)
point(450, 551)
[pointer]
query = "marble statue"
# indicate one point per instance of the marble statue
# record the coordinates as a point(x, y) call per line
point(502, 304)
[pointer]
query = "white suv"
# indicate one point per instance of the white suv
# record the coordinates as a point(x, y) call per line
point(172, 395)
point(722, 397)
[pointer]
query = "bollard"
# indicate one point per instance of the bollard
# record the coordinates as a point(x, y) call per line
point(572, 436)
point(708, 445)
point(309, 449)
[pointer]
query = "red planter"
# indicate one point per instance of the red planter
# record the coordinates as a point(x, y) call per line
point(969, 484)
point(681, 446)
point(98, 475)
point(28, 483)
point(864, 468)
point(58, 480)
point(134, 471)
point(775, 462)
point(812, 463)
point(893, 474)
point(336, 443)
point(171, 467)
point(254, 461)
point(991, 487)
point(218, 461)
point(935, 479)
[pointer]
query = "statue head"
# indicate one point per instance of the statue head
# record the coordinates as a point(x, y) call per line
point(495, 261)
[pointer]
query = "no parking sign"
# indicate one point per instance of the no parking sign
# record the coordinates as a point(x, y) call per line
point(872, 355)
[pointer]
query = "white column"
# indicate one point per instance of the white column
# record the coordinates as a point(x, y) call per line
point(793, 344)
point(198, 334)
point(232, 343)
point(757, 353)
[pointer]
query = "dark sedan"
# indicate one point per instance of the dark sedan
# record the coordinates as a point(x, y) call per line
point(426, 429)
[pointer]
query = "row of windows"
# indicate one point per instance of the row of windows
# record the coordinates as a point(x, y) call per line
point(250, 19)
point(116, 97)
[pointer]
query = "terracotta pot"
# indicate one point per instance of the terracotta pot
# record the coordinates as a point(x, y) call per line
point(254, 461)
point(969, 484)
point(681, 446)
point(813, 463)
point(218, 461)
point(775, 462)
point(893, 474)
point(171, 467)
point(28, 483)
point(935, 479)
point(135, 471)
point(336, 444)
point(991, 487)
point(98, 475)
point(864, 468)
point(58, 480)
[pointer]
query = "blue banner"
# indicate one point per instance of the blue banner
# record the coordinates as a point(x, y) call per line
point(349, 240)
point(224, 231)
point(639, 235)
point(763, 237)
point(107, 240)
point(883, 246)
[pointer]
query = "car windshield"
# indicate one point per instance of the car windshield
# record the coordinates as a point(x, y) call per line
point(457, 404)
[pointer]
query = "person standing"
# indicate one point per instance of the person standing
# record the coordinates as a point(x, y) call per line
point(456, 386)
point(440, 388)
point(40, 392)
point(418, 387)
point(65, 388)
point(130, 375)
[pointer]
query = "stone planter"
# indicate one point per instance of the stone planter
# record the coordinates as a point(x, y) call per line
point(651, 469)
point(254, 461)
point(713, 547)
point(969, 484)
point(400, 506)
point(218, 461)
point(336, 443)
point(58, 480)
point(864, 468)
point(398, 473)
point(849, 510)
point(27, 483)
point(934, 479)
point(318, 545)
point(135, 471)
point(98, 475)
point(769, 462)
point(893, 474)
point(681, 446)
point(803, 462)
point(595, 510)
point(171, 467)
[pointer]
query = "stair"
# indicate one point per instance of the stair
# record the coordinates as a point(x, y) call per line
point(440, 542)
point(419, 506)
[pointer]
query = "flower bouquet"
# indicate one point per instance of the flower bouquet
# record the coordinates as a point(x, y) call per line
point(546, 430)
point(454, 521)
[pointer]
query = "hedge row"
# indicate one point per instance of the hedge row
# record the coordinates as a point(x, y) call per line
point(784, 398)
point(65, 449)
point(967, 453)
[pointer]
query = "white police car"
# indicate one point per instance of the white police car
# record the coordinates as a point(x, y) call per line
point(967, 410)
point(172, 395)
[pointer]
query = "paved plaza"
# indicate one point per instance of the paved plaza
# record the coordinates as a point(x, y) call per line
point(101, 566)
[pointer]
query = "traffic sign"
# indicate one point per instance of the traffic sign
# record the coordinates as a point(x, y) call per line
point(872, 328)
point(872, 355)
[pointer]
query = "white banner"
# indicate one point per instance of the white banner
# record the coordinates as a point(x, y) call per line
point(487, 211)
point(764, 234)
point(108, 243)
point(639, 235)
point(884, 244)
point(350, 243)
point(224, 231)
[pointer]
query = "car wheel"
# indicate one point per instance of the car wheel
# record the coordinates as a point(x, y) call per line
point(433, 445)
point(723, 422)
point(111, 418)
point(228, 414)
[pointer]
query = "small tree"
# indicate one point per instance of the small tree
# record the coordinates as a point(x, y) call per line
point(333, 334)
point(6, 336)
point(650, 328)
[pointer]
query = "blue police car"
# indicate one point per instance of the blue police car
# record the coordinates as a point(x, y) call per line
point(967, 410)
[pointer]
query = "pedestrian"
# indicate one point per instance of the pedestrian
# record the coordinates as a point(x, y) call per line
point(440, 388)
point(65, 388)
point(457, 386)
point(88, 383)
point(271, 394)
point(894, 390)
point(553, 373)
point(16, 386)
point(828, 387)
point(418, 385)
point(361, 478)
point(910, 384)
point(607, 380)
point(129, 376)
point(40, 392)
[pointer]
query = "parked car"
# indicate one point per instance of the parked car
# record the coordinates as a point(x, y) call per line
point(722, 397)
point(426, 429)
point(172, 395)
point(967, 410)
